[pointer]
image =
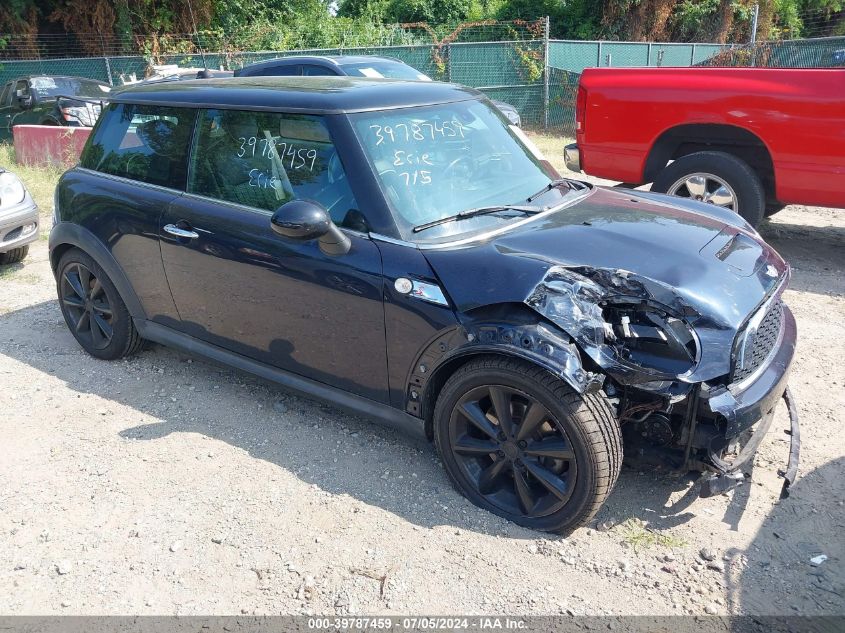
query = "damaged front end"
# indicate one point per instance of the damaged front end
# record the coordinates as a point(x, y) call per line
point(692, 390)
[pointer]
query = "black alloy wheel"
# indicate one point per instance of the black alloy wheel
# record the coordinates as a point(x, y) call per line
point(521, 443)
point(513, 451)
point(87, 305)
point(93, 309)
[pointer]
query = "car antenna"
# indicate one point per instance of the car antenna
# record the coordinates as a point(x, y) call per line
point(204, 73)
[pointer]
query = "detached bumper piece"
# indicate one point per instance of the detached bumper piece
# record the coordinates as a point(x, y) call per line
point(730, 473)
point(791, 472)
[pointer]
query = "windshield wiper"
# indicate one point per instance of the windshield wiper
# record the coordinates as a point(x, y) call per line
point(471, 213)
point(573, 184)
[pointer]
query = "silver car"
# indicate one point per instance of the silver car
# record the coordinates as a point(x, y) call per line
point(18, 219)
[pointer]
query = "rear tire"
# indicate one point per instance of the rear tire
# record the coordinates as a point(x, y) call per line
point(549, 465)
point(93, 309)
point(744, 183)
point(14, 256)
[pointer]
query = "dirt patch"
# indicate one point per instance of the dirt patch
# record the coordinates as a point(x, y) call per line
point(162, 484)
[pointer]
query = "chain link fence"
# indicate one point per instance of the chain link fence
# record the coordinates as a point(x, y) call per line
point(822, 52)
point(515, 62)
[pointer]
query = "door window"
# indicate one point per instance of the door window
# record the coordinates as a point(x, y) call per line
point(142, 142)
point(263, 159)
point(285, 70)
point(6, 96)
point(21, 87)
point(309, 70)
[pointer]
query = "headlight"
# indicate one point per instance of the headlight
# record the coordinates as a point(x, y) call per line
point(12, 190)
point(651, 337)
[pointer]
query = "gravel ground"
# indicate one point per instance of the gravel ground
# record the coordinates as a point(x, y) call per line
point(164, 485)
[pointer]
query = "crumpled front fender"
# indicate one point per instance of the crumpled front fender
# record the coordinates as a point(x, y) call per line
point(572, 300)
point(535, 342)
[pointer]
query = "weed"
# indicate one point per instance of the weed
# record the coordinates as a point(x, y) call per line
point(638, 535)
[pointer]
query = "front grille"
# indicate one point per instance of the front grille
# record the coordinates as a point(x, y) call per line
point(754, 347)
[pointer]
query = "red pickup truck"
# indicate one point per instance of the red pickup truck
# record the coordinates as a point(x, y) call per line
point(750, 139)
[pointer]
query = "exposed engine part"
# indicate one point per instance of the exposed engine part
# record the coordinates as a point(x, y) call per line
point(656, 428)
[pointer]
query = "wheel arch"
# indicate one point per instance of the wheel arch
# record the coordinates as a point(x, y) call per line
point(524, 335)
point(66, 236)
point(689, 138)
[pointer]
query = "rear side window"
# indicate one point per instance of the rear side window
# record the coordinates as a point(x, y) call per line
point(309, 70)
point(264, 159)
point(286, 70)
point(146, 143)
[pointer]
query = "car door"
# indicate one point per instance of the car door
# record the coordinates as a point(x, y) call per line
point(240, 286)
point(10, 109)
point(133, 166)
point(6, 112)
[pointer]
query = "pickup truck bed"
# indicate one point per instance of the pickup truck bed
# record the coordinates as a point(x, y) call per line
point(768, 137)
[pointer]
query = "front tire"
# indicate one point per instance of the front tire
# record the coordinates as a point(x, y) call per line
point(717, 178)
point(93, 309)
point(14, 256)
point(521, 443)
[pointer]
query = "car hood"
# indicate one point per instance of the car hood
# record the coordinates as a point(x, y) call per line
point(694, 259)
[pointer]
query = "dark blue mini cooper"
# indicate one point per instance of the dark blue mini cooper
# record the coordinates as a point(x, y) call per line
point(399, 249)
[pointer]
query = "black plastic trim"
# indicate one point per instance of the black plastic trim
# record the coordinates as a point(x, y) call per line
point(381, 413)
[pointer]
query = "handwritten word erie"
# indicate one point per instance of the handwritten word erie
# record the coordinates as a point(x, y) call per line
point(401, 157)
point(262, 180)
point(407, 132)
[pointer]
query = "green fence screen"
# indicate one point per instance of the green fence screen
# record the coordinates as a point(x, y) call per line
point(513, 71)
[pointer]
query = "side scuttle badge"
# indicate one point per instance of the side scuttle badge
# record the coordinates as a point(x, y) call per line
point(420, 290)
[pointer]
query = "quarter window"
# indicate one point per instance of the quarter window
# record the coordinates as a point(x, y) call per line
point(141, 142)
point(263, 160)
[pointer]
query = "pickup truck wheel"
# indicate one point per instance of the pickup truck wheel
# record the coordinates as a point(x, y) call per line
point(522, 444)
point(716, 178)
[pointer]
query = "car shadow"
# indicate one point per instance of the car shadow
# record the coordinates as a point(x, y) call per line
point(778, 575)
point(815, 254)
point(339, 453)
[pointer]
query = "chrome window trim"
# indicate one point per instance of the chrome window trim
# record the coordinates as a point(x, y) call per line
point(129, 181)
point(268, 214)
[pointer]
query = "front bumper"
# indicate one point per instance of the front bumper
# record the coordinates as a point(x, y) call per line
point(572, 157)
point(18, 225)
point(754, 403)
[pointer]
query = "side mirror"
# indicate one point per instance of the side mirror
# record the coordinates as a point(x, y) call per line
point(25, 101)
point(306, 220)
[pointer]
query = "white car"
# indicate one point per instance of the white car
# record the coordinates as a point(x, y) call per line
point(18, 219)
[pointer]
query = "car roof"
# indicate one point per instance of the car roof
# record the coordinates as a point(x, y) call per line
point(319, 95)
point(328, 60)
point(40, 76)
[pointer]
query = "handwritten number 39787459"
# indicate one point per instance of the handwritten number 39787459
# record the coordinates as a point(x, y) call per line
point(290, 155)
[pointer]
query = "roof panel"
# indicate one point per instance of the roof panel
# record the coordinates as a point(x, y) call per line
point(316, 94)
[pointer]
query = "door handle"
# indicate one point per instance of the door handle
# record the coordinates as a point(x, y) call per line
point(177, 232)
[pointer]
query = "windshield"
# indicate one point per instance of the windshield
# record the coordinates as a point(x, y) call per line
point(436, 161)
point(384, 70)
point(50, 87)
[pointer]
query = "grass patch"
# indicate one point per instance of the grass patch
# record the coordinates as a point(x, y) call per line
point(639, 536)
point(552, 146)
point(40, 181)
point(12, 272)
